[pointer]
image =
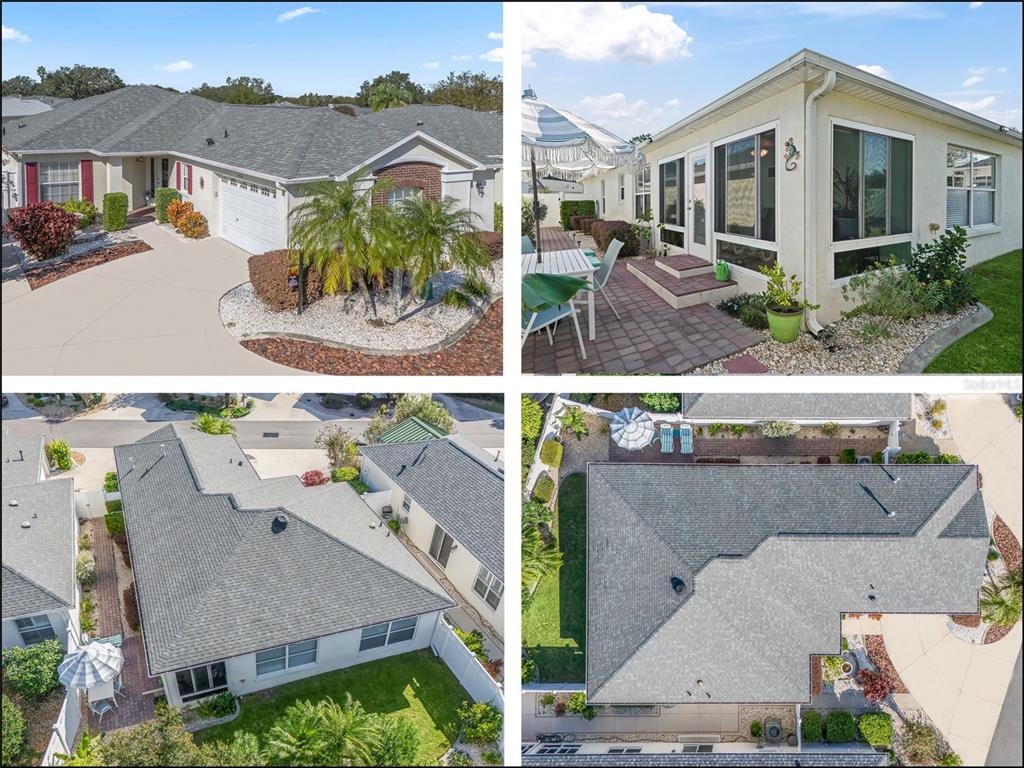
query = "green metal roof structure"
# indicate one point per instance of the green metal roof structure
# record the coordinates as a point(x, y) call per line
point(410, 430)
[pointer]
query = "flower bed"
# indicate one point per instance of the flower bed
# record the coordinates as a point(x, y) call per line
point(879, 657)
point(49, 272)
point(1006, 542)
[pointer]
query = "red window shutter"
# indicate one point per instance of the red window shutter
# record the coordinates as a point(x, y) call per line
point(190, 179)
point(31, 183)
point(177, 176)
point(86, 176)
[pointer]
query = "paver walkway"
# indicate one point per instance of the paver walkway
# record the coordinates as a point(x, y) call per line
point(652, 336)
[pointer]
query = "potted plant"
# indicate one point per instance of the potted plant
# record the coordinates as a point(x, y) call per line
point(783, 305)
point(721, 271)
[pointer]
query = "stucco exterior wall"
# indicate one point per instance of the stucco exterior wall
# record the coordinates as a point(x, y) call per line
point(133, 181)
point(59, 620)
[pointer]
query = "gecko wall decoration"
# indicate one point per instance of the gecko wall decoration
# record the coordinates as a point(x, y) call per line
point(790, 154)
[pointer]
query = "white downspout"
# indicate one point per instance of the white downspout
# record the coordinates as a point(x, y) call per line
point(811, 200)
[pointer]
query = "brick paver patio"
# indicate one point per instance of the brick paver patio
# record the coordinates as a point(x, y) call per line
point(733, 448)
point(652, 337)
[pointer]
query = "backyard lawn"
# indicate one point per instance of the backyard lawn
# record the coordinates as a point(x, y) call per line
point(554, 623)
point(996, 346)
point(417, 686)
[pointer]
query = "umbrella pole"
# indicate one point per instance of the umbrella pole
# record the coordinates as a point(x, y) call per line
point(536, 204)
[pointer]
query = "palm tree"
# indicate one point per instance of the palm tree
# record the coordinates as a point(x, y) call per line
point(539, 557)
point(349, 732)
point(86, 753)
point(389, 251)
point(213, 425)
point(297, 737)
point(1001, 600)
point(440, 235)
point(386, 96)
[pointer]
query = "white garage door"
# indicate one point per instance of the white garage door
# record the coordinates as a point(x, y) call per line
point(249, 217)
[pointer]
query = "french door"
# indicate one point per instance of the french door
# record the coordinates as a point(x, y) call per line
point(697, 202)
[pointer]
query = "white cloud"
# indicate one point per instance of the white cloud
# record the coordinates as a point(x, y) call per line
point(431, 65)
point(847, 10)
point(289, 15)
point(1010, 117)
point(463, 57)
point(976, 6)
point(495, 36)
point(183, 65)
point(10, 33)
point(612, 106)
point(603, 32)
point(972, 80)
point(672, 103)
point(875, 69)
point(977, 105)
point(1001, 70)
point(528, 62)
point(495, 54)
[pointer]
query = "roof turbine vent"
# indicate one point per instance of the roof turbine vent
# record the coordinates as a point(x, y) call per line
point(279, 524)
point(678, 585)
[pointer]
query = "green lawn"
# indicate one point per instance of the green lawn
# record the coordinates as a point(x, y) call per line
point(417, 686)
point(554, 623)
point(996, 346)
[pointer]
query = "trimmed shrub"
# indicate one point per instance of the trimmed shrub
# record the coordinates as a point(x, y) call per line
point(359, 486)
point(544, 489)
point(162, 198)
point(32, 671)
point(876, 728)
point(110, 484)
point(84, 209)
point(269, 272)
point(114, 522)
point(877, 457)
point(661, 402)
point(58, 455)
point(567, 208)
point(923, 457)
point(755, 729)
point(115, 211)
point(131, 607)
point(551, 453)
point(839, 727)
point(753, 317)
point(314, 477)
point(481, 722)
point(176, 209)
point(13, 731)
point(85, 568)
point(810, 725)
point(43, 230)
point(491, 242)
point(831, 668)
point(219, 705)
point(604, 232)
point(533, 418)
point(779, 429)
point(847, 456)
point(577, 705)
point(114, 505)
point(344, 474)
point(830, 429)
point(193, 225)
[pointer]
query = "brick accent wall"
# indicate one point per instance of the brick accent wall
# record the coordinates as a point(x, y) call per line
point(423, 176)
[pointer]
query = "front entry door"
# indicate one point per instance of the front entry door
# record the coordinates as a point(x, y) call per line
point(697, 202)
point(441, 546)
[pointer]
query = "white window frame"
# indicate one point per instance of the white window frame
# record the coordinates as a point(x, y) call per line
point(603, 207)
point(388, 632)
point(681, 190)
point(75, 166)
point(40, 622)
point(288, 652)
point(491, 585)
point(406, 502)
point(994, 225)
point(401, 193)
point(622, 187)
point(186, 177)
point(641, 190)
point(196, 693)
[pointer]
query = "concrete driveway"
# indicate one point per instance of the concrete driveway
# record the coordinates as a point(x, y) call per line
point(153, 313)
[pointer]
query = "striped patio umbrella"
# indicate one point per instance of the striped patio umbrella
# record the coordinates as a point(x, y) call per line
point(91, 665)
point(632, 429)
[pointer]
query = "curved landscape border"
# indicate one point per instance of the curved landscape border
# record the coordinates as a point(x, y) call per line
point(922, 355)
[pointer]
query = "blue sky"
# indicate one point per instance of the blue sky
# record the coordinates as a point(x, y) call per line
point(326, 47)
point(635, 68)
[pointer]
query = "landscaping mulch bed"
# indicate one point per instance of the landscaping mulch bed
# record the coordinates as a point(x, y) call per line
point(878, 656)
point(815, 675)
point(477, 353)
point(44, 274)
point(970, 620)
point(1009, 547)
point(994, 634)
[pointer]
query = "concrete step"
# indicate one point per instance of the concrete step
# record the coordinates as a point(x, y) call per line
point(684, 291)
point(684, 265)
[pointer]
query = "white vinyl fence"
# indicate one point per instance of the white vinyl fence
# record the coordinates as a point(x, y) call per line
point(465, 666)
point(65, 730)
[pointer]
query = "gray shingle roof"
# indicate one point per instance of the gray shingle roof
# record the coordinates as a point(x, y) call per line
point(863, 757)
point(214, 581)
point(289, 142)
point(16, 106)
point(808, 405)
point(769, 554)
point(38, 561)
point(461, 492)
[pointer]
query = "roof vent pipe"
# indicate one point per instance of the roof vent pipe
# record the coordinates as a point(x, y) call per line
point(811, 200)
point(279, 524)
point(678, 585)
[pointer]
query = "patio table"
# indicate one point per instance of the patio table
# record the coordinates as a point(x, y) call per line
point(569, 262)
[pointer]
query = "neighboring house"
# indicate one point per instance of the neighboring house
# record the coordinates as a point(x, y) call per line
point(244, 167)
point(410, 430)
point(590, 754)
point(822, 168)
point(245, 583)
point(449, 498)
point(809, 408)
point(40, 543)
point(718, 583)
point(14, 108)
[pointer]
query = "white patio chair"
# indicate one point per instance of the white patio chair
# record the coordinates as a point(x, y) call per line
point(548, 320)
point(605, 271)
point(100, 708)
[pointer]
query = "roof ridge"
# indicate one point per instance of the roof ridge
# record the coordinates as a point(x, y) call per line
point(10, 568)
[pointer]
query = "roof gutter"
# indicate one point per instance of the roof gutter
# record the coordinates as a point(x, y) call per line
point(811, 199)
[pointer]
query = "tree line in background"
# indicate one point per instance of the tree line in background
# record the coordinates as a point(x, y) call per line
point(472, 90)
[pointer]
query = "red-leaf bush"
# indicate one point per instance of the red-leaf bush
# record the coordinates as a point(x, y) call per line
point(875, 686)
point(43, 230)
point(491, 241)
point(268, 273)
point(314, 477)
point(604, 232)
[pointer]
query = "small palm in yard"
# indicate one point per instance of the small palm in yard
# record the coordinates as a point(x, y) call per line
point(539, 557)
point(325, 733)
point(213, 425)
point(86, 753)
point(1001, 600)
point(387, 96)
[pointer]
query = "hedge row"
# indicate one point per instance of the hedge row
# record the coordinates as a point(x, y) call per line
point(604, 232)
point(568, 208)
point(115, 211)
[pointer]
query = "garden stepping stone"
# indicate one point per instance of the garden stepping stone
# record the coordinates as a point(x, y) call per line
point(745, 363)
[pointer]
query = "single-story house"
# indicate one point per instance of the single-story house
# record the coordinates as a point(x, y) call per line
point(15, 108)
point(449, 498)
point(592, 754)
point(806, 408)
point(41, 595)
point(410, 430)
point(824, 169)
point(244, 167)
point(245, 583)
point(719, 583)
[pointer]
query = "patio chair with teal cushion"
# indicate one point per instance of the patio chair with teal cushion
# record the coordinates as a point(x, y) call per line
point(685, 438)
point(591, 254)
point(547, 319)
point(605, 271)
point(527, 244)
point(666, 438)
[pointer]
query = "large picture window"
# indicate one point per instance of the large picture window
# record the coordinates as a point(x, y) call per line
point(970, 188)
point(286, 657)
point(745, 187)
point(642, 193)
point(379, 635)
point(58, 181)
point(197, 682)
point(872, 174)
point(670, 178)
